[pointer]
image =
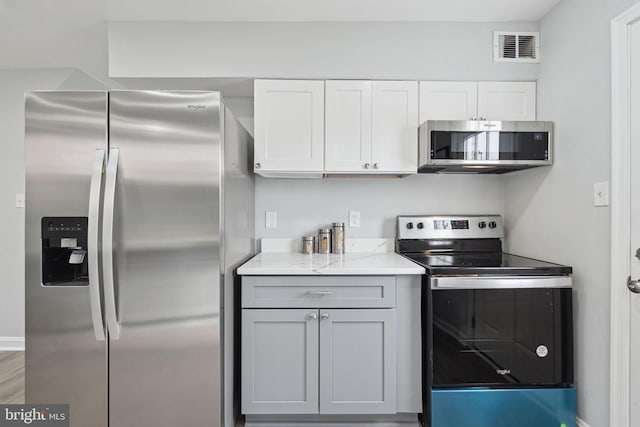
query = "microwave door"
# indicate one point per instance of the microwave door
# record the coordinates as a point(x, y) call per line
point(449, 147)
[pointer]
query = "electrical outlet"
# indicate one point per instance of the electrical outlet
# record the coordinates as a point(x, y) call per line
point(271, 220)
point(20, 201)
point(601, 194)
point(354, 218)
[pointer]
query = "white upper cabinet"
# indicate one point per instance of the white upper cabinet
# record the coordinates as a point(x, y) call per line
point(347, 125)
point(394, 131)
point(309, 128)
point(507, 100)
point(371, 127)
point(448, 100)
point(480, 100)
point(289, 127)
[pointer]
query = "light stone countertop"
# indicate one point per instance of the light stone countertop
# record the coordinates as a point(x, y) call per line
point(297, 264)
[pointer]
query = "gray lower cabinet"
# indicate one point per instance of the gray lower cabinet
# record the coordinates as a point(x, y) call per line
point(280, 361)
point(317, 348)
point(357, 361)
point(318, 361)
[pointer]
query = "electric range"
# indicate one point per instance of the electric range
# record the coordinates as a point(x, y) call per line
point(497, 327)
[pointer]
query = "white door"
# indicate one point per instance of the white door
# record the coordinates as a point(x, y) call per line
point(507, 100)
point(634, 335)
point(347, 126)
point(625, 224)
point(394, 146)
point(448, 101)
point(289, 126)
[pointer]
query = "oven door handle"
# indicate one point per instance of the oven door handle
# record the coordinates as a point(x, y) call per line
point(499, 282)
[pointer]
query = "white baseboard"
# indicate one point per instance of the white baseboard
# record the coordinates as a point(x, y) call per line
point(581, 423)
point(11, 343)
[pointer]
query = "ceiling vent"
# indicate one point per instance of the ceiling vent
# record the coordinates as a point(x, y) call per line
point(509, 46)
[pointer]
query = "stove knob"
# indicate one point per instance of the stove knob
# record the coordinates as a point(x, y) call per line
point(493, 224)
point(482, 224)
point(410, 225)
point(420, 225)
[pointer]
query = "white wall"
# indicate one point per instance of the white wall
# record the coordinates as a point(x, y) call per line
point(412, 51)
point(13, 84)
point(243, 110)
point(304, 205)
point(54, 34)
point(550, 212)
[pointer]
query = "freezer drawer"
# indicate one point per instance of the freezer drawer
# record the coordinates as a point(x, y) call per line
point(481, 407)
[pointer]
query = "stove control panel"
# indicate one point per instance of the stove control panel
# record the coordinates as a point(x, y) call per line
point(450, 227)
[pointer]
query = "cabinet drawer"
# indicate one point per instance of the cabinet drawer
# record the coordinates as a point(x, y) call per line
point(326, 291)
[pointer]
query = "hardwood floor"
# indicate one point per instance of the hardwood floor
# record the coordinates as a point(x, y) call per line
point(12, 377)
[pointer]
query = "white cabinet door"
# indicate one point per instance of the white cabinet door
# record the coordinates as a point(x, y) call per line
point(289, 126)
point(358, 361)
point(507, 100)
point(279, 361)
point(448, 101)
point(394, 146)
point(347, 125)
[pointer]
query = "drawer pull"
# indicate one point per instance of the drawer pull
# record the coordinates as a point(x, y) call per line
point(319, 293)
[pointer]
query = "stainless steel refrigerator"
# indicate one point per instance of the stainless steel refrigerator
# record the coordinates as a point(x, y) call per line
point(139, 206)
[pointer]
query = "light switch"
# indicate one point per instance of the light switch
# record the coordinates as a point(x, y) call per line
point(271, 220)
point(20, 201)
point(601, 194)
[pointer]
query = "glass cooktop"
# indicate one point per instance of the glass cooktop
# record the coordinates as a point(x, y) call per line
point(487, 263)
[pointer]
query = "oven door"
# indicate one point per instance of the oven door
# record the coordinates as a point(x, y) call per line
point(512, 334)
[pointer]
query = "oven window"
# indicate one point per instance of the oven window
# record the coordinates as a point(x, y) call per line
point(500, 337)
point(489, 145)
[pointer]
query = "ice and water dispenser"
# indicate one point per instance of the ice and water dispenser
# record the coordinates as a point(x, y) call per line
point(64, 251)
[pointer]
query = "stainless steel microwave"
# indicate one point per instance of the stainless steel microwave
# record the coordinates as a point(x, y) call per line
point(480, 146)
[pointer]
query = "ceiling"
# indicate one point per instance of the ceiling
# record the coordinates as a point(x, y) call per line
point(329, 10)
point(283, 10)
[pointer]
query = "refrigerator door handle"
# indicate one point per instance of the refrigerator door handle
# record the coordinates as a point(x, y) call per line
point(92, 243)
point(107, 244)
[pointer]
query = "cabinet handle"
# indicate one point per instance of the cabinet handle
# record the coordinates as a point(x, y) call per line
point(367, 165)
point(474, 118)
point(258, 165)
point(483, 118)
point(313, 316)
point(375, 166)
point(324, 316)
point(319, 293)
